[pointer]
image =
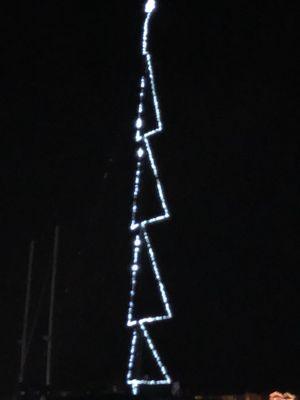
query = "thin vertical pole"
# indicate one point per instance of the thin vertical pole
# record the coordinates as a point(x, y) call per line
point(26, 313)
point(51, 309)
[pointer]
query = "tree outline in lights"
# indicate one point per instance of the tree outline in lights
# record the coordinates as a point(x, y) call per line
point(139, 227)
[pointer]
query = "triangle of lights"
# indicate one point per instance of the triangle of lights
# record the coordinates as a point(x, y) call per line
point(139, 227)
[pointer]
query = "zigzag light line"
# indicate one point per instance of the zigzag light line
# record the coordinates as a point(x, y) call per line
point(139, 228)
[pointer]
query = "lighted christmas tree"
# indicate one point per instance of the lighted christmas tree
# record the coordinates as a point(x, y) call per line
point(146, 126)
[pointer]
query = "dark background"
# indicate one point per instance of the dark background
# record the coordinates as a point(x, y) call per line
point(226, 77)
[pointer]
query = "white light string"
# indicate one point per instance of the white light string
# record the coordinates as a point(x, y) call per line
point(139, 227)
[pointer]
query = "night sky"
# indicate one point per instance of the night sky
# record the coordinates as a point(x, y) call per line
point(226, 78)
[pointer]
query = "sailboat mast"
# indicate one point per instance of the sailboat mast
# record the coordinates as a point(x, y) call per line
point(26, 313)
point(51, 309)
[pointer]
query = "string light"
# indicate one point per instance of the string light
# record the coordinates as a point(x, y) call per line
point(139, 226)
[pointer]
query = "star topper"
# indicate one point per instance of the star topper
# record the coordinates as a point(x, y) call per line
point(150, 6)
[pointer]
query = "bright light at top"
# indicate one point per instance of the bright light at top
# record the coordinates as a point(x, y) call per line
point(150, 6)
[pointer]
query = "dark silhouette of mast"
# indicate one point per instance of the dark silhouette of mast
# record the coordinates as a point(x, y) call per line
point(24, 342)
point(51, 309)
